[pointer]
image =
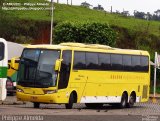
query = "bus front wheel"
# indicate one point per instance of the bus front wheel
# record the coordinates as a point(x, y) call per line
point(69, 105)
point(36, 105)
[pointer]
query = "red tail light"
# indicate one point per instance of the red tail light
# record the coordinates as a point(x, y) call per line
point(9, 84)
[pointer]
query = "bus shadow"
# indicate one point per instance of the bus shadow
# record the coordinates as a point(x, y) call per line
point(105, 108)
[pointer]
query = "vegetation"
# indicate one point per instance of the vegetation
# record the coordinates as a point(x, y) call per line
point(94, 33)
point(157, 90)
point(83, 15)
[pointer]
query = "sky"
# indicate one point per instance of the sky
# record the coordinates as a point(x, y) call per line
point(120, 5)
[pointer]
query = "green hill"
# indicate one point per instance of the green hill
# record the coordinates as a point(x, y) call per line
point(25, 26)
point(80, 14)
point(131, 32)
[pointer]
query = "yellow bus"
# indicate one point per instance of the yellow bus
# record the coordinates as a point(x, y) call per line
point(12, 73)
point(11, 78)
point(93, 74)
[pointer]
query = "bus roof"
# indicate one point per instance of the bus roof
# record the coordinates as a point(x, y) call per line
point(2, 40)
point(12, 52)
point(89, 47)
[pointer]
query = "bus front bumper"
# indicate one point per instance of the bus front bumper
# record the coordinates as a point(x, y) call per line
point(46, 98)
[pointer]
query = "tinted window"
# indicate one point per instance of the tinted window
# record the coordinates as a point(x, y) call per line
point(1, 51)
point(116, 62)
point(36, 68)
point(104, 61)
point(79, 60)
point(144, 63)
point(127, 62)
point(136, 62)
point(65, 69)
point(45, 70)
point(92, 60)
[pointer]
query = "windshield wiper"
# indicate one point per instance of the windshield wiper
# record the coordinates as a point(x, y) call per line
point(44, 75)
point(29, 59)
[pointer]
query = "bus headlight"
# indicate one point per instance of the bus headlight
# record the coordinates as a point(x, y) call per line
point(49, 91)
point(19, 90)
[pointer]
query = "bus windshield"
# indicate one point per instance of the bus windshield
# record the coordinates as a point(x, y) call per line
point(1, 51)
point(36, 68)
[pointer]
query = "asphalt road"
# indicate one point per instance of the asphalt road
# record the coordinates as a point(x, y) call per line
point(11, 110)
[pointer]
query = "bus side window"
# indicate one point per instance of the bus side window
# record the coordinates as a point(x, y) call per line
point(127, 63)
point(1, 51)
point(104, 61)
point(65, 69)
point(79, 60)
point(136, 63)
point(116, 62)
point(144, 64)
point(92, 61)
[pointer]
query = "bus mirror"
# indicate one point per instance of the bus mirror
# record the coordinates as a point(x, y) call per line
point(57, 65)
point(13, 63)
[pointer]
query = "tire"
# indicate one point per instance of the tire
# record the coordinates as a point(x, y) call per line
point(11, 94)
point(132, 100)
point(36, 105)
point(10, 90)
point(123, 103)
point(69, 105)
point(94, 105)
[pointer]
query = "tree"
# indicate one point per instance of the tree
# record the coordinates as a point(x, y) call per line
point(140, 15)
point(1, 2)
point(92, 33)
point(157, 12)
point(125, 13)
point(85, 4)
point(148, 16)
point(99, 7)
point(117, 12)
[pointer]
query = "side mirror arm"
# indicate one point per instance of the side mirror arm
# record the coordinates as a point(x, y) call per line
point(13, 61)
point(58, 65)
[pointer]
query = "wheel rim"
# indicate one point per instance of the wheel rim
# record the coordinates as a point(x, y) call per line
point(131, 100)
point(124, 101)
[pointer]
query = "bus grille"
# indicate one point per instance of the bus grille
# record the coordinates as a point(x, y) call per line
point(145, 91)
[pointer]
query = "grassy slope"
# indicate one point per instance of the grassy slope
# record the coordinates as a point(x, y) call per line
point(80, 14)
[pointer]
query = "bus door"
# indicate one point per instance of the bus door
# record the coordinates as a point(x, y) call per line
point(79, 74)
point(64, 75)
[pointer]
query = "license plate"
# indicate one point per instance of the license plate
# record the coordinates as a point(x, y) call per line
point(33, 98)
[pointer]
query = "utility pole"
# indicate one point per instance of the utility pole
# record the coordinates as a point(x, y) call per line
point(155, 70)
point(67, 2)
point(57, 1)
point(71, 2)
point(51, 32)
point(111, 9)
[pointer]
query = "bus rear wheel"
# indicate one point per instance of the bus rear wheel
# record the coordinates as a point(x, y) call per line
point(123, 103)
point(36, 105)
point(132, 100)
point(94, 105)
